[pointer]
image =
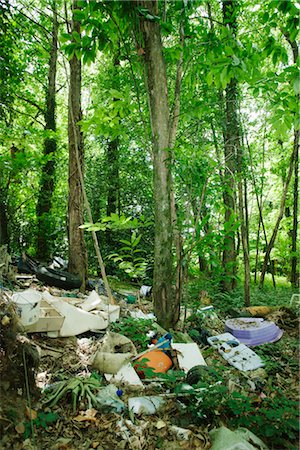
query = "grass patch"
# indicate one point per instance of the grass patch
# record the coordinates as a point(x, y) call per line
point(269, 296)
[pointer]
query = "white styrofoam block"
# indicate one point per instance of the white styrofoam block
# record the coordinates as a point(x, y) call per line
point(240, 356)
point(188, 355)
point(112, 310)
point(220, 339)
point(92, 301)
point(95, 302)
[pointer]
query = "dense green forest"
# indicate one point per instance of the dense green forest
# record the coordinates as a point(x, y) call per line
point(161, 137)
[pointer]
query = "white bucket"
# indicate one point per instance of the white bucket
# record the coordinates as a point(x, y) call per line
point(28, 306)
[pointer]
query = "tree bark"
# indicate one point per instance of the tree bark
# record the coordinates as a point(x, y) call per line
point(4, 237)
point(234, 165)
point(77, 248)
point(294, 231)
point(112, 155)
point(177, 237)
point(229, 252)
point(281, 209)
point(244, 233)
point(44, 202)
point(159, 115)
point(294, 274)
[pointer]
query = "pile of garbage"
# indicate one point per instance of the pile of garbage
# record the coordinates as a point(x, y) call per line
point(112, 375)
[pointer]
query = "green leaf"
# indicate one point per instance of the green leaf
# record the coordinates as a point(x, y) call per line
point(124, 241)
point(76, 36)
point(78, 53)
point(70, 49)
point(136, 241)
point(223, 77)
point(116, 94)
point(209, 78)
point(65, 37)
point(297, 85)
point(78, 15)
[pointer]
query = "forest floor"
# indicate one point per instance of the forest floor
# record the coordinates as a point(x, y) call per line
point(265, 400)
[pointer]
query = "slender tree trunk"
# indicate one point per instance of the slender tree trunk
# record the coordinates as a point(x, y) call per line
point(294, 231)
point(294, 274)
point(4, 237)
point(112, 162)
point(281, 209)
point(244, 236)
point(246, 209)
point(159, 115)
point(44, 202)
point(234, 165)
point(112, 155)
point(229, 252)
point(113, 194)
point(77, 248)
point(259, 205)
point(257, 251)
point(177, 237)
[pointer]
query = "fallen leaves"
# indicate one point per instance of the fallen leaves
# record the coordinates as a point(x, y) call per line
point(87, 416)
point(20, 428)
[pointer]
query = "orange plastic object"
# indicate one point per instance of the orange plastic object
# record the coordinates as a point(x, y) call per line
point(157, 360)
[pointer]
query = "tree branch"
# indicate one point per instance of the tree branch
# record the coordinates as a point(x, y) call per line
point(31, 102)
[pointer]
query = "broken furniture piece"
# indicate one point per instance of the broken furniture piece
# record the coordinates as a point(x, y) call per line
point(50, 319)
point(76, 320)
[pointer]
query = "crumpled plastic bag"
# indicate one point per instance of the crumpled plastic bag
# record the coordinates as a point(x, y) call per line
point(224, 439)
point(116, 350)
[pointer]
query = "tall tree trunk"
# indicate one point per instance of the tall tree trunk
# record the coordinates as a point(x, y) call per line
point(113, 193)
point(159, 114)
point(244, 233)
point(281, 209)
point(77, 248)
point(294, 274)
point(229, 252)
point(257, 251)
point(44, 202)
point(177, 237)
point(112, 154)
point(4, 237)
point(234, 164)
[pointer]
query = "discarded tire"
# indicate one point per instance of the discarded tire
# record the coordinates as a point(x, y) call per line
point(26, 264)
point(200, 373)
point(58, 278)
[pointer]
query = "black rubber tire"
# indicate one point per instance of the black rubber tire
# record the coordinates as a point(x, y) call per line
point(58, 278)
point(200, 373)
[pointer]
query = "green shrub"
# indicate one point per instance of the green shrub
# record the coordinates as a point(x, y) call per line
point(134, 329)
